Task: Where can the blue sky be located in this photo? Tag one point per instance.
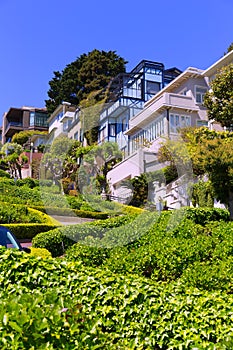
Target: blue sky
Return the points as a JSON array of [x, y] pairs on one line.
[[42, 36]]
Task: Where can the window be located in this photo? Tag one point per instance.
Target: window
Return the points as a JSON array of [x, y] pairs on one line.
[[102, 134], [202, 123], [112, 129], [66, 125], [179, 121], [200, 93], [124, 124], [147, 135], [76, 136], [151, 70], [38, 119], [152, 87], [32, 118], [184, 92], [124, 153]]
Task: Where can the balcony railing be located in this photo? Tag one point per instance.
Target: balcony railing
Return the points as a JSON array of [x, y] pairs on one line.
[[116, 108], [166, 100], [14, 124]]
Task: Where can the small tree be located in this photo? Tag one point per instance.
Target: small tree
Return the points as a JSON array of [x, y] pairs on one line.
[[53, 161], [219, 100], [216, 158], [14, 159], [98, 162]]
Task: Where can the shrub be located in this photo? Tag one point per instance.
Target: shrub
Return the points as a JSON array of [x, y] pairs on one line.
[[22, 214], [54, 241], [45, 183], [204, 215], [4, 174], [29, 182], [40, 252], [58, 240], [46, 303], [19, 195], [127, 209], [28, 231], [71, 212], [6, 183], [18, 213], [43, 218], [88, 253]]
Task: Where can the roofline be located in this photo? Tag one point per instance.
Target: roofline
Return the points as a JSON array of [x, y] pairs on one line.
[[189, 72], [26, 108], [223, 61]]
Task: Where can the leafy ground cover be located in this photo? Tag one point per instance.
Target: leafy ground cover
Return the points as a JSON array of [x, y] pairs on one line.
[[56, 304], [135, 281]]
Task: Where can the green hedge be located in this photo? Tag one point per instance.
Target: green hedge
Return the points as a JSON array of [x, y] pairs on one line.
[[203, 215], [59, 240], [169, 249], [16, 213], [28, 231], [71, 212], [54, 304]]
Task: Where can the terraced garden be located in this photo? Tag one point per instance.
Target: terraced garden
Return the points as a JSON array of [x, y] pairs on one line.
[[137, 280]]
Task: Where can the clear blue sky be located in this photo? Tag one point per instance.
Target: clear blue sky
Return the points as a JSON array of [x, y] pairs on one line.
[[42, 36]]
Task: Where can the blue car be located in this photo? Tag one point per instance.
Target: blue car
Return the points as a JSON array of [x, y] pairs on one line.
[[8, 240]]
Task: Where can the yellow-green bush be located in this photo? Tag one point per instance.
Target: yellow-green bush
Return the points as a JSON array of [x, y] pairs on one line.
[[44, 217], [40, 252], [127, 209]]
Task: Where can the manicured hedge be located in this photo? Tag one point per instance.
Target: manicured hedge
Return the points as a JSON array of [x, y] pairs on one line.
[[16, 213], [57, 241], [4, 174], [71, 212], [28, 231], [204, 215], [169, 249]]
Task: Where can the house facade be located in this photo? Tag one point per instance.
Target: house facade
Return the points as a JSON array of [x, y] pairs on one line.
[[60, 120], [25, 118], [177, 105], [128, 94]]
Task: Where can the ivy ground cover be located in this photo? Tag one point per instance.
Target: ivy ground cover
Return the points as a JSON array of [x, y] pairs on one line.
[[170, 288]]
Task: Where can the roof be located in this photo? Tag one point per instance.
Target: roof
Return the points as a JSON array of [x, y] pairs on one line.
[[190, 72], [223, 61]]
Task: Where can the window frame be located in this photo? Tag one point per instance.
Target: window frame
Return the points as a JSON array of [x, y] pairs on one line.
[[201, 94]]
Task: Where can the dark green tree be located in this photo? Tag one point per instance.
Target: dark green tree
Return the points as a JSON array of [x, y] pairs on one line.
[[89, 72], [229, 49]]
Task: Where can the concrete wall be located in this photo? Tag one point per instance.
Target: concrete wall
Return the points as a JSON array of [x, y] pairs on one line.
[[130, 167]]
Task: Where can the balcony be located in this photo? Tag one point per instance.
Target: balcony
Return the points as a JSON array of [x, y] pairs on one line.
[[116, 108], [67, 115], [164, 101], [11, 127]]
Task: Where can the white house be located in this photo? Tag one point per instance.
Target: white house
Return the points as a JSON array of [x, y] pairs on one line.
[[177, 105]]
